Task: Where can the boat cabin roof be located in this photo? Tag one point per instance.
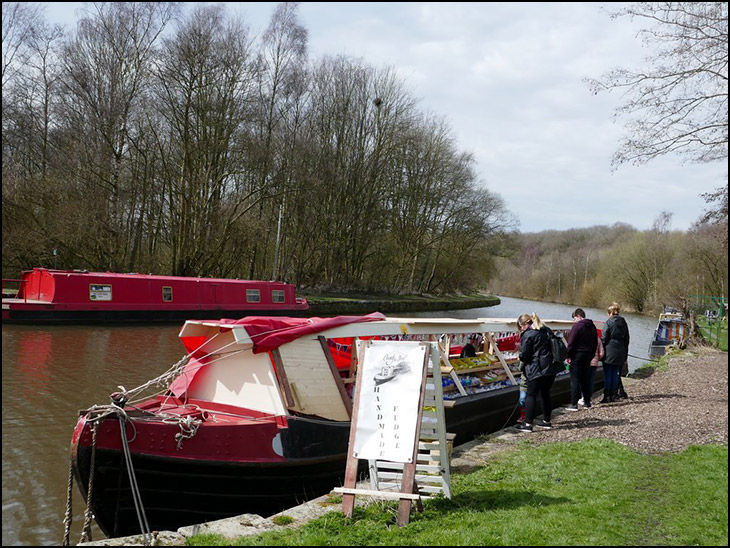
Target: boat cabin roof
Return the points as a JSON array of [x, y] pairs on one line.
[[265, 333]]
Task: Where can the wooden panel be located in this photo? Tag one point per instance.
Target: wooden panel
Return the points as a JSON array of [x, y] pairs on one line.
[[310, 377]]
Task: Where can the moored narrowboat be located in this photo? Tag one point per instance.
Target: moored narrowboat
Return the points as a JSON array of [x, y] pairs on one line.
[[78, 296], [256, 417], [671, 331]]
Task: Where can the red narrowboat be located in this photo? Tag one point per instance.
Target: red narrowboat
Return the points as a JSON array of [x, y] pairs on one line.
[[78, 296]]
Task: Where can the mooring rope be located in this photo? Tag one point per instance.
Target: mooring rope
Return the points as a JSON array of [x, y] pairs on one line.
[[86, 529], [144, 526], [68, 518], [640, 358]]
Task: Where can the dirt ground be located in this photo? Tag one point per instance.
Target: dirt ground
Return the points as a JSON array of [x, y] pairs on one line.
[[667, 411]]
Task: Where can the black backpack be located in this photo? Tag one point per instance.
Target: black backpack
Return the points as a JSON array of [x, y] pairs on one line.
[[557, 345]]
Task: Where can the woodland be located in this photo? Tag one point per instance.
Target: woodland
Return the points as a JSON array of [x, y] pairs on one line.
[[151, 140]]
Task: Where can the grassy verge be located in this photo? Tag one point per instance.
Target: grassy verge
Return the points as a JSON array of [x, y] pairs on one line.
[[324, 305], [595, 492], [714, 332]]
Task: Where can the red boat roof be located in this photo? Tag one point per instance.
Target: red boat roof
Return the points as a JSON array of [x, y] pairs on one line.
[[86, 273], [268, 333]]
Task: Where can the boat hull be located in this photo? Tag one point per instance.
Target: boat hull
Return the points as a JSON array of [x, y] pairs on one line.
[[671, 331], [49, 296], [178, 492], [245, 471]]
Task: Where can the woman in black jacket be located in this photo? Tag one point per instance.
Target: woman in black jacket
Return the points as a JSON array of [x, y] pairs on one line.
[[615, 339], [539, 370]]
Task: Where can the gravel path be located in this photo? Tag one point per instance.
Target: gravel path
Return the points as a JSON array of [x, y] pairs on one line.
[[667, 411]]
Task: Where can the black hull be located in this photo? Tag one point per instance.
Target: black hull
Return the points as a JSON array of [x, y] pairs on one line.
[[120, 317], [177, 492]]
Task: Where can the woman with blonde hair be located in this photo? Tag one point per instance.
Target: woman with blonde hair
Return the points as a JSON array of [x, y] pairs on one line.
[[539, 370], [615, 339]]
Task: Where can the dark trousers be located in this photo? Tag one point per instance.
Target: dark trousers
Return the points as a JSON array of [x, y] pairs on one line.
[[580, 377], [610, 375], [541, 386]]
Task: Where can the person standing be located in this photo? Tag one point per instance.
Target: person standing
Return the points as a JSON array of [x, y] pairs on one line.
[[540, 370], [582, 342], [615, 339], [598, 356], [469, 350]]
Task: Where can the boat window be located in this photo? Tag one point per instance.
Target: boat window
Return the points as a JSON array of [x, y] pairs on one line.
[[167, 293], [253, 295], [277, 295], [100, 292]]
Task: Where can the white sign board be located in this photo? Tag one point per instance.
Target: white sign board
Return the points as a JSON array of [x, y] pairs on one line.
[[387, 416], [100, 292]]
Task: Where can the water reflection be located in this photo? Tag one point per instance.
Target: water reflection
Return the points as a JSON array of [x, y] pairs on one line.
[[49, 374]]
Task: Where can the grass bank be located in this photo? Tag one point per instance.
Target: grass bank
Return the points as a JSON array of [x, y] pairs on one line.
[[328, 305], [714, 331], [594, 492]]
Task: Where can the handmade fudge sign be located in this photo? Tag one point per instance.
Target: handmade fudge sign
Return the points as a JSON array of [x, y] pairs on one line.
[[387, 415]]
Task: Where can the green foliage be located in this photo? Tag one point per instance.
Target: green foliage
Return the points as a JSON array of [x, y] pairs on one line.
[[714, 332], [590, 493], [283, 520], [642, 270]]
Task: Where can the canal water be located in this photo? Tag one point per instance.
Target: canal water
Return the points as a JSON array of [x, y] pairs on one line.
[[52, 372]]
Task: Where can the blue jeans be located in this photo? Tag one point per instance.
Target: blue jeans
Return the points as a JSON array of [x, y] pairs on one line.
[[610, 372]]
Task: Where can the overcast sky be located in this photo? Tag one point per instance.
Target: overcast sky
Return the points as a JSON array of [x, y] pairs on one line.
[[507, 78]]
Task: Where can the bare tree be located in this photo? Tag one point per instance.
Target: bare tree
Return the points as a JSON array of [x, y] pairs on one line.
[[678, 104], [283, 60], [716, 215], [19, 19], [106, 77], [204, 88]]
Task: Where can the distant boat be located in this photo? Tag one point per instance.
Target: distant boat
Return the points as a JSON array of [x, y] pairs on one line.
[[78, 296], [671, 330], [256, 417]]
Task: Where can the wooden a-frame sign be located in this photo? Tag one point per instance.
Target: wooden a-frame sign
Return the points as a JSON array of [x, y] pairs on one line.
[[409, 489]]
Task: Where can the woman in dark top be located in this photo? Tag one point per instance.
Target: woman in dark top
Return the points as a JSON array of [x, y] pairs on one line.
[[539, 370], [615, 339]]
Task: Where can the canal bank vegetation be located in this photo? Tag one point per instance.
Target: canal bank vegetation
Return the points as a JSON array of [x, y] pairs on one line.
[[642, 270], [329, 305], [589, 493]]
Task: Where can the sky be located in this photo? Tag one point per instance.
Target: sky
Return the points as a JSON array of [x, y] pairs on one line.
[[508, 79]]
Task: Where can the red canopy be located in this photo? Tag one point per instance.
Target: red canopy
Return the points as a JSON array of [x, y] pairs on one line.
[[267, 333], [270, 332]]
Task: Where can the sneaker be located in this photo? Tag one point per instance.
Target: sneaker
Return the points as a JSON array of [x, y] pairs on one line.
[[545, 425], [581, 402], [524, 427], [588, 405], [572, 408]]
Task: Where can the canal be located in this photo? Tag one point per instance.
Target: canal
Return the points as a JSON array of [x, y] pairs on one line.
[[52, 372]]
